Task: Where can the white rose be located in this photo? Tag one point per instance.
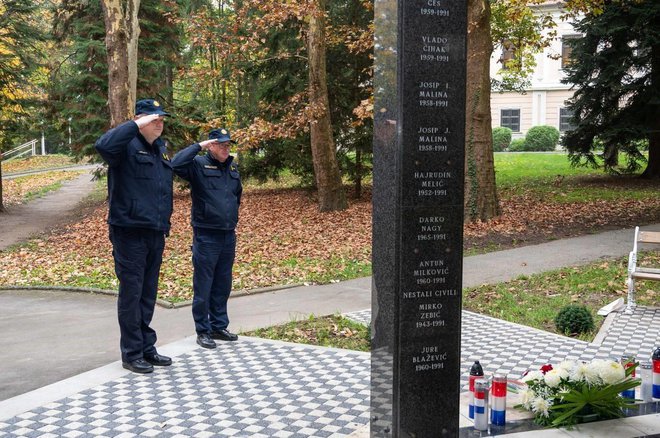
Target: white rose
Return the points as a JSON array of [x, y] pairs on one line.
[[541, 406], [612, 373], [554, 376], [532, 375], [526, 397]]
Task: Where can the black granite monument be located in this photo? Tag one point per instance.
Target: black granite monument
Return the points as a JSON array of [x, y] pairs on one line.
[[419, 124]]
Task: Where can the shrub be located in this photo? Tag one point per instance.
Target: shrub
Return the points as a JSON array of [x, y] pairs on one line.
[[574, 319], [542, 138], [517, 145], [501, 138]]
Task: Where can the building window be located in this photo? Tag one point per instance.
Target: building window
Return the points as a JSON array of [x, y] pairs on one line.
[[567, 49], [565, 116], [510, 118]]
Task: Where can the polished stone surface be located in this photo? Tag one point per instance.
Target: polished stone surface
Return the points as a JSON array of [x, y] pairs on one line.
[[419, 138]]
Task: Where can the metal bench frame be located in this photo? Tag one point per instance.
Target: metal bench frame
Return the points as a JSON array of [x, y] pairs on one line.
[[637, 272]]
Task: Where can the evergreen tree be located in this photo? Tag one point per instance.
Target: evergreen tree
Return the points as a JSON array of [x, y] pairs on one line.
[[20, 36], [79, 76], [79, 82], [616, 73], [350, 68]]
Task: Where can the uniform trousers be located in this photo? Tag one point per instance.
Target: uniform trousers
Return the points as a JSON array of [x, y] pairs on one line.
[[213, 258], [138, 254]]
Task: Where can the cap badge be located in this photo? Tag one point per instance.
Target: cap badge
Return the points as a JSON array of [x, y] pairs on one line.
[[156, 103], [223, 132]]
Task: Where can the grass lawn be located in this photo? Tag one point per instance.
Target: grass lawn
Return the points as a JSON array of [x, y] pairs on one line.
[[535, 300], [328, 331], [549, 175], [532, 301]]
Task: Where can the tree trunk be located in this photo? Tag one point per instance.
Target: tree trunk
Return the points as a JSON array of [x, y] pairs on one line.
[[652, 170], [326, 170], [611, 156], [121, 40], [480, 192], [358, 173]]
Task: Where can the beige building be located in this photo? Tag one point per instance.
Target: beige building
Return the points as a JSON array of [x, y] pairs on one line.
[[544, 103]]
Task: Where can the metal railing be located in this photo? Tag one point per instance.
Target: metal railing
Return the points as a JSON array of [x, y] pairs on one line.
[[26, 148]]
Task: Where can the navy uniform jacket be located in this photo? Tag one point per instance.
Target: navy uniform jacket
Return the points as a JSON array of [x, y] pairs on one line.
[[139, 179], [216, 188]]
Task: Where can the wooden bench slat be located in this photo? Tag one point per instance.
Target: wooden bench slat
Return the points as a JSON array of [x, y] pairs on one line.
[[646, 276], [648, 270], [649, 237]]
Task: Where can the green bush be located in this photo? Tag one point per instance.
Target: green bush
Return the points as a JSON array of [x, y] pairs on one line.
[[542, 138], [501, 138], [574, 320], [517, 145]]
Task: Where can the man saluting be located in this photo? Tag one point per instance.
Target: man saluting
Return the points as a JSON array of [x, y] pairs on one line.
[[215, 187], [140, 198]]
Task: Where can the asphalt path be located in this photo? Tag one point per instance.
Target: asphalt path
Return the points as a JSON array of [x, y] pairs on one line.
[[20, 222]]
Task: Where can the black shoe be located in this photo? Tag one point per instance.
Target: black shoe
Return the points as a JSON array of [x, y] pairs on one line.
[[138, 366], [224, 335], [158, 359], [204, 340]]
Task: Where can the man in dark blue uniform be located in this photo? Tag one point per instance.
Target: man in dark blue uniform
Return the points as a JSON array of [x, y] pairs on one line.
[[215, 187], [140, 197]]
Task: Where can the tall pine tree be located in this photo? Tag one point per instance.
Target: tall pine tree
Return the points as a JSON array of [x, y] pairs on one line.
[[79, 82], [616, 74]]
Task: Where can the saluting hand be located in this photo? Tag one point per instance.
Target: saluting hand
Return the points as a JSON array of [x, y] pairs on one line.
[[144, 120], [206, 143]]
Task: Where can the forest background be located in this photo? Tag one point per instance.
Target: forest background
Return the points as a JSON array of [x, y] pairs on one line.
[[292, 80]]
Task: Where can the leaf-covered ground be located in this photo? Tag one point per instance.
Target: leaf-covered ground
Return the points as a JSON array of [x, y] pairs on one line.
[[37, 162], [283, 239], [572, 207], [19, 190]]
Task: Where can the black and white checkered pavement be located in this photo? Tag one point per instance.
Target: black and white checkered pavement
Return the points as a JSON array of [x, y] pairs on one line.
[[250, 388], [257, 388], [502, 346]]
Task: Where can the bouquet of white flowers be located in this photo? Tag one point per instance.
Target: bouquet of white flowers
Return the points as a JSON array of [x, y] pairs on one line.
[[560, 395]]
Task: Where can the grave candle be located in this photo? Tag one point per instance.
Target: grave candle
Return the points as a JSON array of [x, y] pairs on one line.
[[656, 373], [646, 389], [498, 400], [476, 372], [481, 404], [628, 360]]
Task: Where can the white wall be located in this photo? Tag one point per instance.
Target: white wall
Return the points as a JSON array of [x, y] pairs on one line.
[[540, 104]]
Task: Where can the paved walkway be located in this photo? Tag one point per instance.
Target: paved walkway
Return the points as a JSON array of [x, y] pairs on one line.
[[20, 222], [51, 335]]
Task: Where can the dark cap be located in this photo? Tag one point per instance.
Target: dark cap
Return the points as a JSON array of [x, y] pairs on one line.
[[149, 106], [222, 135]]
